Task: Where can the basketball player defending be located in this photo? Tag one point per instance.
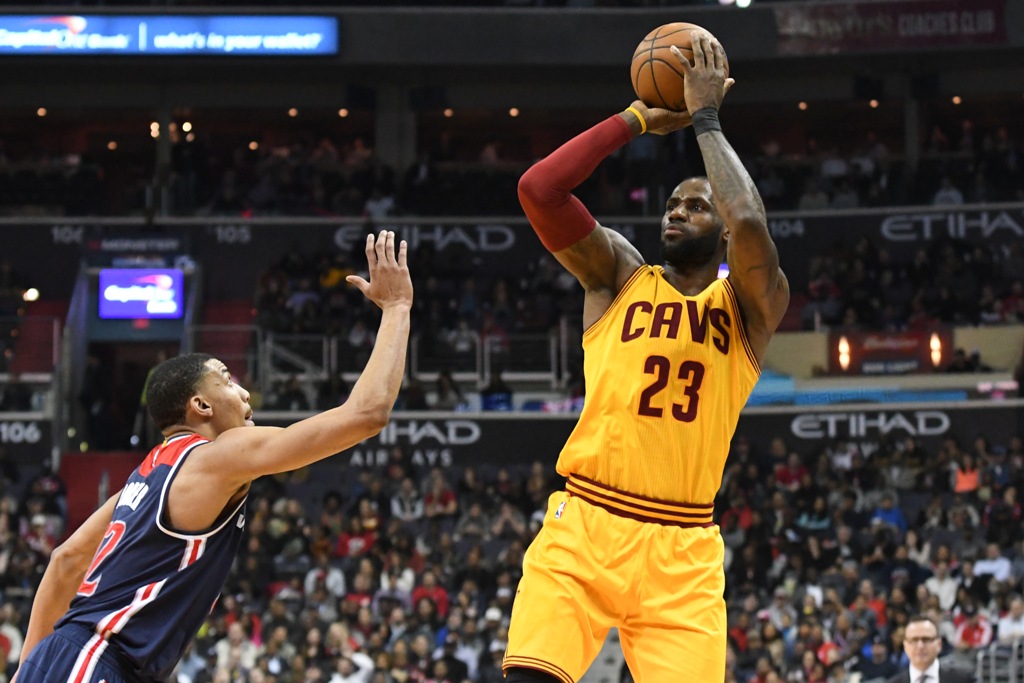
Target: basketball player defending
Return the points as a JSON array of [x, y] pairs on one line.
[[671, 354], [124, 595]]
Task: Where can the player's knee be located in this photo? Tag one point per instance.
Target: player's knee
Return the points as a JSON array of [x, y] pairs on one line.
[[519, 675]]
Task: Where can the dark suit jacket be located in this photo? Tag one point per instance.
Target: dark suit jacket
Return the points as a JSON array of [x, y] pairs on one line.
[[948, 674]]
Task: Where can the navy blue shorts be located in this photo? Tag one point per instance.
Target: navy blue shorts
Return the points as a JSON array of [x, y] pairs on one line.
[[72, 654]]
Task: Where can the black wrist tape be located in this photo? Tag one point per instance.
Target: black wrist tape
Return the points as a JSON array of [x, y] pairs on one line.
[[705, 120]]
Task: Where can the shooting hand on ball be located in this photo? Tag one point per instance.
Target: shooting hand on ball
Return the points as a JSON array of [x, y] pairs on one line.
[[706, 82]]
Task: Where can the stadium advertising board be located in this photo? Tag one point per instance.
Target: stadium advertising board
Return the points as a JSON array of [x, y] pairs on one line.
[[889, 353], [829, 28], [461, 245], [157, 35], [458, 440], [806, 429]]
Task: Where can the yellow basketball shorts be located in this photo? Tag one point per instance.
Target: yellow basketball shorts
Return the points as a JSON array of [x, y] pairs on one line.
[[591, 569]]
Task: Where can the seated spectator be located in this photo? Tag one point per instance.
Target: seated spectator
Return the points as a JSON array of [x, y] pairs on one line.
[[947, 194], [448, 395], [235, 649], [497, 395], [877, 665], [994, 564], [813, 197], [473, 524], [889, 513], [509, 523], [430, 589], [974, 631], [1010, 627], [942, 585], [407, 504]]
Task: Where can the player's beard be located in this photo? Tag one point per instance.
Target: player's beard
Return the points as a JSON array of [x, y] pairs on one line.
[[687, 252]]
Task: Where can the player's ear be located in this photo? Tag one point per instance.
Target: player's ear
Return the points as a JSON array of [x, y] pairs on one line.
[[200, 406]]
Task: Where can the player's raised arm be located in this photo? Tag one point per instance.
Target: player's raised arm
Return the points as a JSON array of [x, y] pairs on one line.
[[216, 472], [595, 255], [64, 574], [761, 286]]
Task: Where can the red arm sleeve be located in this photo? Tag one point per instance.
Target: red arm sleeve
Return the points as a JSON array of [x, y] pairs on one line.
[[545, 190]]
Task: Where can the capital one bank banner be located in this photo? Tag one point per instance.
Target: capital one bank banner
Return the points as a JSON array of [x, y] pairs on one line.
[[466, 246]]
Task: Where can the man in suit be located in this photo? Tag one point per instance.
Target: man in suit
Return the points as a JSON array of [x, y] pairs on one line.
[[922, 643]]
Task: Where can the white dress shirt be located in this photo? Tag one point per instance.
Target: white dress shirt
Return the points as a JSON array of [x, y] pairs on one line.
[[932, 672]]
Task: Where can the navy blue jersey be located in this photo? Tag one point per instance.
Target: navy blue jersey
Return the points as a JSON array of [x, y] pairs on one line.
[[150, 587]]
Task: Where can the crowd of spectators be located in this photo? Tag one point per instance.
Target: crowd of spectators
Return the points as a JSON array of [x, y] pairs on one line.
[[948, 282], [403, 573], [318, 173]]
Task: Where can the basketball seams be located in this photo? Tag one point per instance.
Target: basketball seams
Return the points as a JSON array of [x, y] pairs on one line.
[[658, 78]]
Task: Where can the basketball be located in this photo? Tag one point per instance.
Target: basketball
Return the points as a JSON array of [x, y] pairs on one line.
[[655, 72]]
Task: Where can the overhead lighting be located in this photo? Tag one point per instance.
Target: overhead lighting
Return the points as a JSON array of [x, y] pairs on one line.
[[41, 112], [513, 112], [448, 113], [293, 112], [802, 106], [112, 145], [187, 126], [343, 112], [956, 99], [873, 104], [30, 294], [254, 145]]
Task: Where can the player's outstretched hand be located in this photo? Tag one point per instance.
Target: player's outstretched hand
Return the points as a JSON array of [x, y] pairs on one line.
[[389, 284], [706, 82]]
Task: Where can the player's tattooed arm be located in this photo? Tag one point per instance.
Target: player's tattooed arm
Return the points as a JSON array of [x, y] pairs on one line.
[[760, 284]]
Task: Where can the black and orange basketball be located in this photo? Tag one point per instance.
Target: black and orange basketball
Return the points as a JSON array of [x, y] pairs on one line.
[[655, 72]]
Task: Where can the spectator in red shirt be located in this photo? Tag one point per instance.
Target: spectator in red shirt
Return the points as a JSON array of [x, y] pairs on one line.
[[974, 630], [430, 588], [440, 503], [355, 541], [790, 475]]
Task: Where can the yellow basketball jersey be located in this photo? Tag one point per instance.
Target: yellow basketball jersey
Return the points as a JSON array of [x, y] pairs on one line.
[[666, 378]]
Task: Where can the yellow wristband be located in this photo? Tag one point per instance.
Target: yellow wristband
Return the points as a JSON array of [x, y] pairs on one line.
[[636, 113]]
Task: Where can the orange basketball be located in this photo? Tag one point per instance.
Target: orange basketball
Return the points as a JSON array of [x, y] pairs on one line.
[[657, 77]]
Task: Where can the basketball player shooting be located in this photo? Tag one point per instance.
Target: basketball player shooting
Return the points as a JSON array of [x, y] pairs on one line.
[[671, 354], [127, 592]]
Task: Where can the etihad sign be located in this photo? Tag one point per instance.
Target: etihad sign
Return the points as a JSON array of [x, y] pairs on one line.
[[912, 227], [862, 424]]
